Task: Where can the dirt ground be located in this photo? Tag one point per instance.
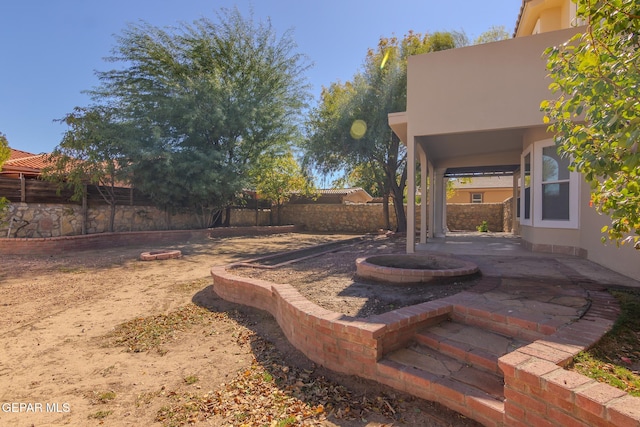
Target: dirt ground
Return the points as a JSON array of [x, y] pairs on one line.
[[221, 364]]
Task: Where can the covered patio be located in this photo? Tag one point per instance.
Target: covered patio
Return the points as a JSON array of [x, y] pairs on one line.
[[471, 111]]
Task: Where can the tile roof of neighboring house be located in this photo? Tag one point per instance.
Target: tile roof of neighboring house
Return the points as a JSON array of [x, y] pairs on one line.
[[335, 195], [23, 162], [17, 154], [515, 30], [485, 182]]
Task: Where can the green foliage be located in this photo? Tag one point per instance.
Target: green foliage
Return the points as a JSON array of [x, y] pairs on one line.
[[5, 152], [202, 103], [483, 228], [91, 152], [276, 178], [611, 360], [596, 116], [338, 141], [493, 34]]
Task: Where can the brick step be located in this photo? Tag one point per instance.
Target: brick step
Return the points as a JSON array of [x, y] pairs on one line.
[[469, 344], [433, 376], [443, 366]]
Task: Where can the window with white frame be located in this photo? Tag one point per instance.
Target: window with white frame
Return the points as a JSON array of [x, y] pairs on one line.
[[555, 185], [476, 197], [525, 188], [555, 189]]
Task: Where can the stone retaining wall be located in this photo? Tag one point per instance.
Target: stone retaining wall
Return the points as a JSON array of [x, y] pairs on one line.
[[467, 216], [37, 220], [357, 218], [55, 220]]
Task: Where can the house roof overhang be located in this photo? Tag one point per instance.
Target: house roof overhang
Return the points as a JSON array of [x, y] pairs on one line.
[[476, 171], [398, 123], [485, 151]]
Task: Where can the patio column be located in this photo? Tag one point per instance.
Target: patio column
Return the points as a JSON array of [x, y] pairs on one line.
[[439, 202], [445, 183], [411, 195], [432, 201], [424, 172], [514, 204]]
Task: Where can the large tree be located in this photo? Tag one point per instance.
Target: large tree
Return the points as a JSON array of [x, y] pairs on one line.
[[202, 103], [596, 116], [349, 129], [90, 153]]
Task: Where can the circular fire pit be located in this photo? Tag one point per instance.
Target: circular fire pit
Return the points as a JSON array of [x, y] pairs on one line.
[[161, 254], [412, 268]]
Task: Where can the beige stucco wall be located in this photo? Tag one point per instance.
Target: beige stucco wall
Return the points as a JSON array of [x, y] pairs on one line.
[[624, 259], [587, 238], [545, 15], [489, 195], [480, 87]]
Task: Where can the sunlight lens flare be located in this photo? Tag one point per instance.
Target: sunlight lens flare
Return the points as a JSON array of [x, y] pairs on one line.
[[385, 58], [358, 129]]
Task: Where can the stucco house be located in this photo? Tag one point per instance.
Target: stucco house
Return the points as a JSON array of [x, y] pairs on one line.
[[481, 189], [476, 110]]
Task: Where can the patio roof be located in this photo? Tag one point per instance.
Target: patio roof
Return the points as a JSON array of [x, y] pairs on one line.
[[467, 172]]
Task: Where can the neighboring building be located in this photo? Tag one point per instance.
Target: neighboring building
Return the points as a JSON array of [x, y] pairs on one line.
[[335, 196], [28, 165], [476, 110], [482, 189]]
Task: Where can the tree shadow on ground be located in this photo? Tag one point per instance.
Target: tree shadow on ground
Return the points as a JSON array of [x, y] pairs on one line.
[[347, 400]]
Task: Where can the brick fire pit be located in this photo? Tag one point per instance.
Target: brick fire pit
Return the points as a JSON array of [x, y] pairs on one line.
[[159, 255]]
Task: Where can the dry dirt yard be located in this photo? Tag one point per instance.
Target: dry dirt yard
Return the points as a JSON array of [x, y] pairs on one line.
[[102, 338]]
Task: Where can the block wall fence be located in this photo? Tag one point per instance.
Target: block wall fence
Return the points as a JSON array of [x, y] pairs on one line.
[[41, 220]]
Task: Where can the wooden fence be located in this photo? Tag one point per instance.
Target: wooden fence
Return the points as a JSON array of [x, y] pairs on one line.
[[36, 191]]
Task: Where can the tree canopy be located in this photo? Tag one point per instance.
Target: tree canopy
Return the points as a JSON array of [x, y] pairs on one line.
[[493, 34], [596, 116], [349, 130], [197, 105], [278, 177], [90, 153]]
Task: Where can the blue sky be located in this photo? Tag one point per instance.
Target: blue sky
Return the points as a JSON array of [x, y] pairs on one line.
[[50, 48]]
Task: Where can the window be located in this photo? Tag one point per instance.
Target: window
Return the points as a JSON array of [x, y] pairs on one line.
[[555, 188], [525, 189], [476, 197], [555, 185]]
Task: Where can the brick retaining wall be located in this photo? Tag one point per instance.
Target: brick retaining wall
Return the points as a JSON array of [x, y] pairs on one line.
[[57, 245], [538, 390]]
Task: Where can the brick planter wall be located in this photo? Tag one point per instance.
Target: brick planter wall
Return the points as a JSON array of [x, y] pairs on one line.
[[57, 245], [338, 342], [538, 390]]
